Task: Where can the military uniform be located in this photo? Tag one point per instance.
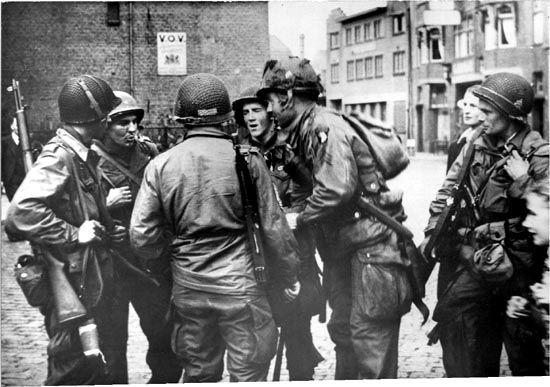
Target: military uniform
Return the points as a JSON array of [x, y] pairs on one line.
[[190, 212], [470, 311], [150, 302], [47, 211], [365, 319]]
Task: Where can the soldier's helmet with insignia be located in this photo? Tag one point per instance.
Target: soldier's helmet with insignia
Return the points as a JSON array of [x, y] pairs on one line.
[[292, 73], [509, 93], [86, 99], [202, 100], [249, 95], [128, 105]]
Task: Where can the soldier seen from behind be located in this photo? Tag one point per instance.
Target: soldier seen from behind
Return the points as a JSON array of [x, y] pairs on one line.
[[60, 208], [287, 175], [485, 249], [189, 211], [364, 271], [124, 157]]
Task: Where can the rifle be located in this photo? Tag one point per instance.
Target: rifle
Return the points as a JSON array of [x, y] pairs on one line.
[[67, 304], [250, 207], [459, 192]]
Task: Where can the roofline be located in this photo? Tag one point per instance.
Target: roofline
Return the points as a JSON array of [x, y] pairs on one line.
[[359, 15]]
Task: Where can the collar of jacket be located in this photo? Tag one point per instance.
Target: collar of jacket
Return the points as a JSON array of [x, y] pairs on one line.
[[297, 124], [80, 149], [207, 131], [484, 141]]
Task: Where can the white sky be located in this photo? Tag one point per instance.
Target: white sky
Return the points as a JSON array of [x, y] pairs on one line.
[[290, 18]]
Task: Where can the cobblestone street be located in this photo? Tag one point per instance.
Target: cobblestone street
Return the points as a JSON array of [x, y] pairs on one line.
[[24, 339]]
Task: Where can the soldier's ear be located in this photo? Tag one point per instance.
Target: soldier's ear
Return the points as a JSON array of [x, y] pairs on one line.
[[288, 102]]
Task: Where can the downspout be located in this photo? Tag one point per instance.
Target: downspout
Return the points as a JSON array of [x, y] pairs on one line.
[[131, 46]]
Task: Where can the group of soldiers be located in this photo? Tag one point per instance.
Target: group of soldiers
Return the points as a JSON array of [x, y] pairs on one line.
[[172, 234]]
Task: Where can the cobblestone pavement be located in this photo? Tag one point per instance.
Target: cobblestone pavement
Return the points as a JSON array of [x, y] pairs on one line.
[[24, 340]]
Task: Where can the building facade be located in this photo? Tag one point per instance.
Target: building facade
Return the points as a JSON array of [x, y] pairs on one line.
[[493, 36], [45, 43], [425, 68], [366, 63]]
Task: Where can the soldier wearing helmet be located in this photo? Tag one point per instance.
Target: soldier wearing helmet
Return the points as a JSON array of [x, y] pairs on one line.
[[507, 157], [189, 211], [60, 207], [289, 180], [342, 168], [122, 163]]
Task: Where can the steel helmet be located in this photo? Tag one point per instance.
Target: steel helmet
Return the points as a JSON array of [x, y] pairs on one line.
[[86, 99], [294, 74], [510, 93], [128, 104], [247, 96], [202, 99]]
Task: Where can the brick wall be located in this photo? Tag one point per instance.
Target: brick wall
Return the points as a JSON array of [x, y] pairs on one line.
[[43, 44]]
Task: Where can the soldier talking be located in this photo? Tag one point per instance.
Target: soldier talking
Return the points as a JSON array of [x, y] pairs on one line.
[[60, 207], [189, 210], [123, 161], [251, 113], [366, 278], [487, 254]]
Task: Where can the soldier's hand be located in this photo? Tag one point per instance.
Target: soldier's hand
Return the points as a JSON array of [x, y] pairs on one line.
[[517, 307], [118, 197], [90, 231], [516, 166], [119, 234], [292, 292]]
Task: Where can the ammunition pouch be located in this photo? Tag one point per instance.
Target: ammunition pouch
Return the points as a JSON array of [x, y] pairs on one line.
[[31, 275]]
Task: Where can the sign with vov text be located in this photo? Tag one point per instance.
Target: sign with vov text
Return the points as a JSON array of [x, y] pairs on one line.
[[171, 53]]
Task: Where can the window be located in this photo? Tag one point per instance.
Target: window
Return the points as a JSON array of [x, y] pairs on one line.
[[369, 67], [398, 24], [334, 40], [422, 47], [348, 37], [489, 28], [350, 72], [378, 66], [399, 63], [113, 14], [334, 73], [368, 31], [435, 45], [464, 38], [538, 23], [378, 27], [383, 111], [506, 26], [359, 69], [358, 35]]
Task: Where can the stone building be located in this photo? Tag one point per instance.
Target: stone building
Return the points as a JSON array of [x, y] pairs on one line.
[[45, 43]]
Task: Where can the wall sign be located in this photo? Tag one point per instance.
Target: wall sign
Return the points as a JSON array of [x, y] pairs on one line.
[[171, 53]]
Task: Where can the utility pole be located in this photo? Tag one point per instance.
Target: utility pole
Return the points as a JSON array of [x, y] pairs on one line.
[[409, 120]]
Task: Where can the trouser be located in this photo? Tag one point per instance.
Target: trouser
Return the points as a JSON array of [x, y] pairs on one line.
[[206, 324], [67, 364], [337, 275], [151, 304], [301, 354], [472, 338]]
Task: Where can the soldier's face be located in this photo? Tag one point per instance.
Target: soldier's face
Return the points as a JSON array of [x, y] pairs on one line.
[[123, 130], [471, 115], [278, 106], [495, 123], [256, 119], [537, 219]]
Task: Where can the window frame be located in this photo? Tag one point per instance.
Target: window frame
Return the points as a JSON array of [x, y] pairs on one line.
[[334, 39], [395, 18], [369, 74], [335, 73], [379, 58], [349, 37], [402, 70], [359, 65], [350, 75], [358, 34]]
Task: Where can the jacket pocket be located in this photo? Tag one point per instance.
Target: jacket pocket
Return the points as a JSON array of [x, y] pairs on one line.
[[383, 291], [264, 331]]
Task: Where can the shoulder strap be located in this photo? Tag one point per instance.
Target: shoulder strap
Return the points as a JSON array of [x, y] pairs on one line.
[[74, 172], [119, 166]]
